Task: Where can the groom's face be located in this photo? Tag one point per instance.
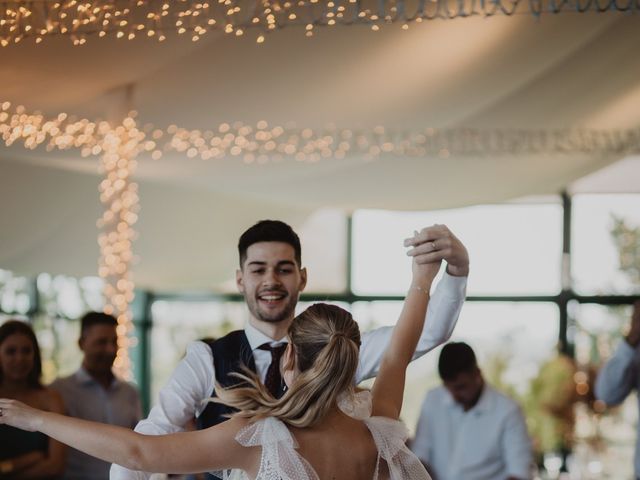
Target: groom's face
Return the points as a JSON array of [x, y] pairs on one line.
[[271, 281]]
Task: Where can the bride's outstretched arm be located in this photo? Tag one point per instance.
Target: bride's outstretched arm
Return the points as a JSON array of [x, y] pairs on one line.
[[388, 388], [205, 450]]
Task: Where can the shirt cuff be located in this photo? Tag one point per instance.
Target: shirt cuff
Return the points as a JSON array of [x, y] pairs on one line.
[[454, 286]]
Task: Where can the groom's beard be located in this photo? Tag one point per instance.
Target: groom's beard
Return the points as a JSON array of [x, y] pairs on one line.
[[283, 310]]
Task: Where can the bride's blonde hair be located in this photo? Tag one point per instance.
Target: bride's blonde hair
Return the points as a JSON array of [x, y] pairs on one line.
[[326, 342]]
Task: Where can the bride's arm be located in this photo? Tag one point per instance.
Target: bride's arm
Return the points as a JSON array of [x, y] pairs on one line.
[[388, 388], [205, 450]]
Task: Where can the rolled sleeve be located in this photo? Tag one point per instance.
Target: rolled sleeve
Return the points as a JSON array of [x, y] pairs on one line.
[[443, 312]]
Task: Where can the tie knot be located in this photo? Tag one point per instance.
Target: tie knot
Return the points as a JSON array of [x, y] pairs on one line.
[[276, 350]]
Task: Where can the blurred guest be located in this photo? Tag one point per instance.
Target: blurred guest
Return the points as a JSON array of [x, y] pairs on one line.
[[621, 374], [467, 430], [26, 454], [94, 393]]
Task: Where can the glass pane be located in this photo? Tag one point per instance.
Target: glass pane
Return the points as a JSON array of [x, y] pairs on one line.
[[68, 296], [514, 248], [604, 442], [4, 317], [61, 300], [512, 342], [324, 251], [176, 323], [606, 244], [58, 340], [15, 293]]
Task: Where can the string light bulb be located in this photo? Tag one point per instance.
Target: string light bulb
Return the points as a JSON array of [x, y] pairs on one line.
[[126, 18]]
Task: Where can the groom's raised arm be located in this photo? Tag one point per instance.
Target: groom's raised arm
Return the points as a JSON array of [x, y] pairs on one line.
[[431, 244]]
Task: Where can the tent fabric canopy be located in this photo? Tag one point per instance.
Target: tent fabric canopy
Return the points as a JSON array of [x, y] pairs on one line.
[[563, 71]]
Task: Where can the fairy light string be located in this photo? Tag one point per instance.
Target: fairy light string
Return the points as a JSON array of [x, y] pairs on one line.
[[120, 145], [80, 20]]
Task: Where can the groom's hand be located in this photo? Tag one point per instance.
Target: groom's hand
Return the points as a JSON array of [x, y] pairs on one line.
[[436, 243]]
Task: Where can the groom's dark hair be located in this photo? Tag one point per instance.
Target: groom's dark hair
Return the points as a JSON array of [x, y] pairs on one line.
[[269, 231]]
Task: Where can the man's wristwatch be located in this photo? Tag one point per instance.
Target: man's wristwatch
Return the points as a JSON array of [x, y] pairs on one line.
[[6, 466]]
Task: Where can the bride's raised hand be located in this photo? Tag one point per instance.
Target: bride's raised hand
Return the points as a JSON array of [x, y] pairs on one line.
[[423, 271], [17, 414], [437, 242]]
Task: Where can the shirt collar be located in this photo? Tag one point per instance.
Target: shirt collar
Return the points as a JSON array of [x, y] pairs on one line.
[[257, 338], [485, 402], [83, 377], [447, 400]]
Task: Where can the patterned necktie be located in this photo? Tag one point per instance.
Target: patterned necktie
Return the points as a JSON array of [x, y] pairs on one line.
[[273, 380]]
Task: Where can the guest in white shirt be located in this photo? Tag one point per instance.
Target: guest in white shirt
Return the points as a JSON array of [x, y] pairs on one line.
[[271, 278], [621, 374], [467, 430]]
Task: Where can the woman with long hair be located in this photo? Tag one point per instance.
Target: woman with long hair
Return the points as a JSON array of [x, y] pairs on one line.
[[26, 454], [322, 428]]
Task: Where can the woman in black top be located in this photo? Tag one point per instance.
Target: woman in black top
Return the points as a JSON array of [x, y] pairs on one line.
[[26, 455]]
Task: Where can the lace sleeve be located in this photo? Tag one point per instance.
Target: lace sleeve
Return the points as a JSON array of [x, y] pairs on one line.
[[279, 459], [390, 437], [357, 405]]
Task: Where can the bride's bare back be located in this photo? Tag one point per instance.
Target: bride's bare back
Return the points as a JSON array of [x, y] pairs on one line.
[[342, 448]]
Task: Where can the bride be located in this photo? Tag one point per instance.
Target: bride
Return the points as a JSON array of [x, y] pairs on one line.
[[322, 428]]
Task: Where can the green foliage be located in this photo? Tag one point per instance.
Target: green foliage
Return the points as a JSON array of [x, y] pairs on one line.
[[549, 405], [627, 239], [547, 402]]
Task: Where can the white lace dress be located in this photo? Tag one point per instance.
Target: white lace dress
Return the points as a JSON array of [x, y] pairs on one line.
[[281, 461]]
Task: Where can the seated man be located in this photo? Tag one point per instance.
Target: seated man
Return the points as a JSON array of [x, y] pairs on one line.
[[467, 430]]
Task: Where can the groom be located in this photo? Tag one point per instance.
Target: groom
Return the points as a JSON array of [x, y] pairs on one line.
[[271, 278]]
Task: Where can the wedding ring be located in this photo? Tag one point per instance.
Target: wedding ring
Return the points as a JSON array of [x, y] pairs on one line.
[[433, 246]]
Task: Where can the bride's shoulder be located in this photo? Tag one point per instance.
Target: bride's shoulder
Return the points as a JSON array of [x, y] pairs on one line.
[[387, 431], [357, 404], [262, 432], [390, 436]]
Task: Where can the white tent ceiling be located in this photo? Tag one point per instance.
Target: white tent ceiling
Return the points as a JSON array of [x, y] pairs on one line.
[[562, 71]]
